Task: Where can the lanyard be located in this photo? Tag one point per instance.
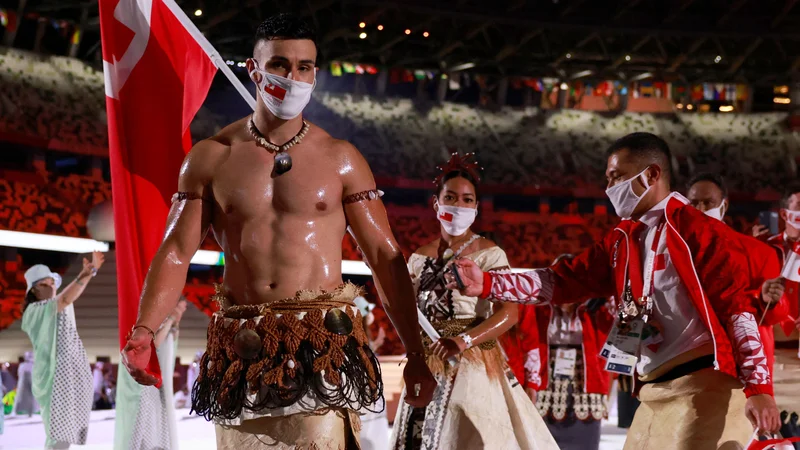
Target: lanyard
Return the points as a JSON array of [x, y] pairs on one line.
[[648, 286]]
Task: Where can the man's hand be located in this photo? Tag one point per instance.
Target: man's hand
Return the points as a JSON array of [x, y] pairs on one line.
[[772, 291], [471, 275], [419, 381], [760, 232], [763, 413], [447, 347], [532, 394], [136, 356]]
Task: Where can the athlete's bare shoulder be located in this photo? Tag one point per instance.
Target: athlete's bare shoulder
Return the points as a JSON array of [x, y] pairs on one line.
[[207, 155], [351, 165]]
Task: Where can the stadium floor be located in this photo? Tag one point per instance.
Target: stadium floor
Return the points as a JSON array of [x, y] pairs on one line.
[[194, 433]]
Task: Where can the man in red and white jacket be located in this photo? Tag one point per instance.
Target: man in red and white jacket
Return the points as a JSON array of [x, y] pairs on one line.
[[697, 290], [707, 192]]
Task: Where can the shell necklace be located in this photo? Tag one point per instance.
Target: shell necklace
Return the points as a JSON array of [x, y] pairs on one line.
[[283, 162]]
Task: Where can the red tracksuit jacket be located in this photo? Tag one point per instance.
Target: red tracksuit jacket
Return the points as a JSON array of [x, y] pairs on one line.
[[711, 262]]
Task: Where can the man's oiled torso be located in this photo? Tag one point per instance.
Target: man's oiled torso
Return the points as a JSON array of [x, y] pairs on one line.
[[280, 233]]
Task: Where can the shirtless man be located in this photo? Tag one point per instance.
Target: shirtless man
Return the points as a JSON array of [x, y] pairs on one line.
[[281, 232]]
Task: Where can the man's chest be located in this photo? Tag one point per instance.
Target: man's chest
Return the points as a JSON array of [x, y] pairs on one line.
[[247, 185]]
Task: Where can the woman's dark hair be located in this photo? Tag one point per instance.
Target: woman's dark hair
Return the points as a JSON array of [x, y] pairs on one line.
[[455, 174], [30, 297]]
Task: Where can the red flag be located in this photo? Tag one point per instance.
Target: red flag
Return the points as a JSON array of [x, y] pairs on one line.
[[157, 77]]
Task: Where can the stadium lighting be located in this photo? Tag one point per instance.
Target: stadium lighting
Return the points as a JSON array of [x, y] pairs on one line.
[[782, 100], [726, 108], [362, 36], [362, 25], [54, 243], [627, 57], [349, 267], [198, 12], [717, 59], [19, 239], [408, 31], [380, 27], [568, 55], [461, 67], [425, 34]]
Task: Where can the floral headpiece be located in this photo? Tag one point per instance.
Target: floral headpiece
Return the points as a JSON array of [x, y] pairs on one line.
[[457, 162]]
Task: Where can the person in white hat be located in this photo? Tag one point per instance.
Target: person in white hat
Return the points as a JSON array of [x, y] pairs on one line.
[[62, 379]]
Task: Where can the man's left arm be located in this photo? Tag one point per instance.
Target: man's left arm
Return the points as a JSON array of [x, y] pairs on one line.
[[369, 223], [722, 268]]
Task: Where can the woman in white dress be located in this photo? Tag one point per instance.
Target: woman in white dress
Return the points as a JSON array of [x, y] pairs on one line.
[[145, 414], [62, 378], [478, 402]]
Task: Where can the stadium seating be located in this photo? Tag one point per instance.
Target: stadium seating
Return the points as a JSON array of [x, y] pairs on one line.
[[61, 101]]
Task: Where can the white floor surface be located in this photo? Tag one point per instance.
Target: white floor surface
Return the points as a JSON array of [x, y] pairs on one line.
[[194, 433]]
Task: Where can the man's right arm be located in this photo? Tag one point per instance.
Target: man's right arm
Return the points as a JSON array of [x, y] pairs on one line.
[[570, 280], [187, 225]]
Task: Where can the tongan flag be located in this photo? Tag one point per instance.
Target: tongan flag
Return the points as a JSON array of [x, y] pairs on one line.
[[157, 76], [791, 271]]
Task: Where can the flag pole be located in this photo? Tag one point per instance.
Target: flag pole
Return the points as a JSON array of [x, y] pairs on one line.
[[212, 53]]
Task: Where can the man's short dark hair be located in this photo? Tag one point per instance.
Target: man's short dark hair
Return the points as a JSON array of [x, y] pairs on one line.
[[711, 178], [285, 26], [646, 147], [788, 192]]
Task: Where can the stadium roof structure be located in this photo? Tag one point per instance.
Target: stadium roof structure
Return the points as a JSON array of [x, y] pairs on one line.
[[755, 41]]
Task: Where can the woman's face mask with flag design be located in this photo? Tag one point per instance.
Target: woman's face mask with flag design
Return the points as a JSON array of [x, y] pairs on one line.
[[284, 97], [455, 220]]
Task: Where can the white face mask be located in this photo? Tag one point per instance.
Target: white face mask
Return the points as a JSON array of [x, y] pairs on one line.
[[455, 219], [284, 98], [793, 219], [623, 198], [716, 213]]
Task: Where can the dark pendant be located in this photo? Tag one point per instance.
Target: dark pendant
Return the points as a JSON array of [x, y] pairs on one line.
[[283, 163], [247, 344], [338, 322]]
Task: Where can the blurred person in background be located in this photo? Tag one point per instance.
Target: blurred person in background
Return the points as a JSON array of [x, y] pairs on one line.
[[787, 334], [62, 374], [566, 372], [98, 381], [478, 402], [24, 402], [374, 425], [146, 414], [191, 374]]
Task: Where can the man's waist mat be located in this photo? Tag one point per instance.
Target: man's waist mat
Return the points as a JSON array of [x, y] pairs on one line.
[[454, 327], [270, 356]]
